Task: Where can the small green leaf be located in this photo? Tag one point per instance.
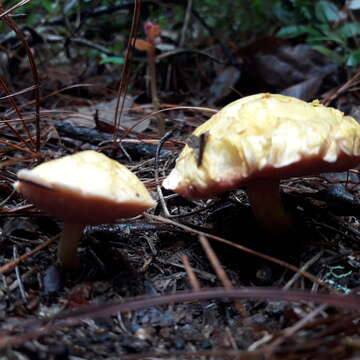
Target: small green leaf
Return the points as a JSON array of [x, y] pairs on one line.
[[113, 60], [349, 30], [329, 53], [325, 11], [321, 39], [282, 14], [117, 47], [50, 6], [353, 58], [328, 35], [292, 31]]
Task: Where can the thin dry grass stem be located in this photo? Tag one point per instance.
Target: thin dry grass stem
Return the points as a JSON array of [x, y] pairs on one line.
[[215, 263], [24, 210], [167, 107], [220, 272], [18, 276], [7, 175], [17, 110], [293, 268], [12, 25], [125, 73], [10, 265], [16, 6], [4, 201], [292, 330], [194, 281], [18, 147], [153, 141], [9, 97], [334, 94], [191, 51], [152, 114], [31, 118], [231, 338], [12, 102], [19, 136], [17, 93], [16, 160], [58, 92], [296, 276]]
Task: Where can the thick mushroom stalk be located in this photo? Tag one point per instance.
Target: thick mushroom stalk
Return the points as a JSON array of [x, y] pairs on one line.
[[258, 140], [266, 204], [68, 245]]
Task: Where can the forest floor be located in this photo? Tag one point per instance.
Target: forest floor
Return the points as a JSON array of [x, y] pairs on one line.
[[204, 282]]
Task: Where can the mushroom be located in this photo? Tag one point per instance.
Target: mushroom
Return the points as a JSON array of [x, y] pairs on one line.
[[257, 141], [84, 188]]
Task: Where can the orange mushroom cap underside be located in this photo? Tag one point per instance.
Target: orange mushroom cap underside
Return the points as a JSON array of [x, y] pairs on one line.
[[87, 187], [265, 136]]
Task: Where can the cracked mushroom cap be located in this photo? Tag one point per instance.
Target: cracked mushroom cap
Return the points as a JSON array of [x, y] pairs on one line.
[[265, 136], [87, 187]]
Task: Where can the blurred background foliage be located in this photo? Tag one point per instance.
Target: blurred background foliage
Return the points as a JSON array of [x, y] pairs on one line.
[[329, 26], [248, 45]]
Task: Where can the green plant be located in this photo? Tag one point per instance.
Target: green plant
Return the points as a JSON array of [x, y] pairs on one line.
[[118, 60], [324, 25], [246, 19]]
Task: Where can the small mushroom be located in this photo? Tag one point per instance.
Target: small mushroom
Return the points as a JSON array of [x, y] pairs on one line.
[[84, 188], [257, 141]]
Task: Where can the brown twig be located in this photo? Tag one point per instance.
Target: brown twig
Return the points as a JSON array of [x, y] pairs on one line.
[[215, 263], [245, 249], [290, 331], [194, 282], [11, 24], [331, 97], [17, 110], [296, 276], [125, 73], [152, 114], [16, 6], [220, 272], [18, 276], [18, 147], [10, 265]]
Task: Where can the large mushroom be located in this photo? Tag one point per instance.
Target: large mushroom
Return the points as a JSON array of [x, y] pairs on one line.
[[257, 141], [84, 188]]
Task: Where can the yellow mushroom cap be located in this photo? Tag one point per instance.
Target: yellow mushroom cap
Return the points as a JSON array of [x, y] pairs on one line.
[[87, 187], [265, 136]]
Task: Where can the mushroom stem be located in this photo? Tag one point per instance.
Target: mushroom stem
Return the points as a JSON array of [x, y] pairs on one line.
[[67, 248], [266, 204]]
